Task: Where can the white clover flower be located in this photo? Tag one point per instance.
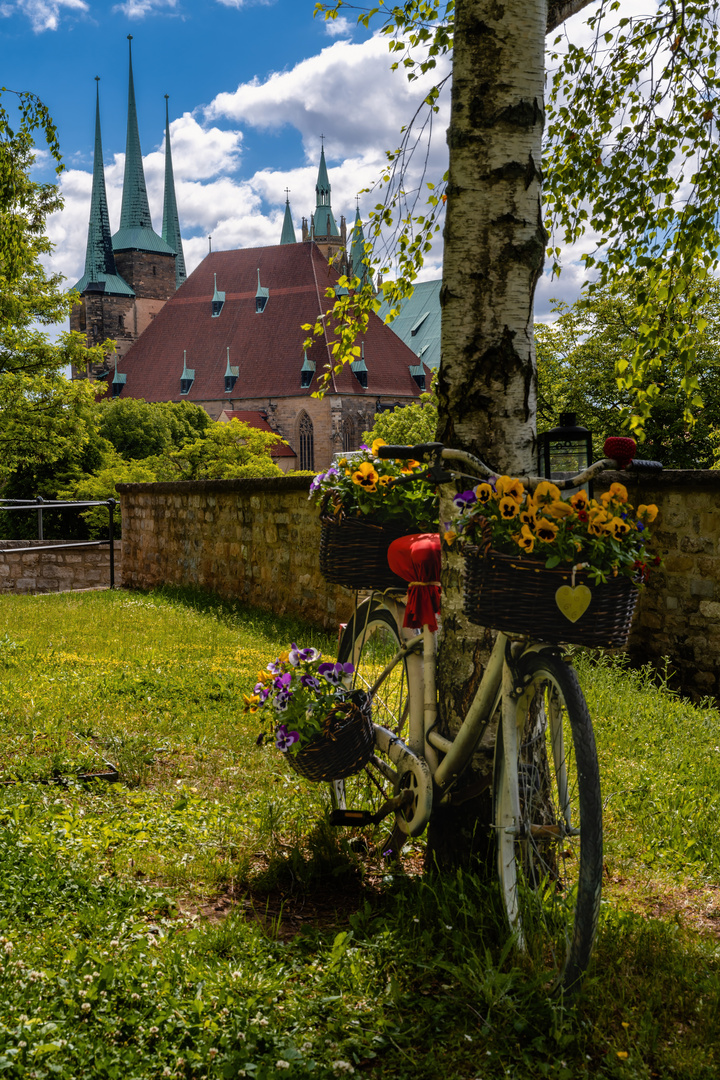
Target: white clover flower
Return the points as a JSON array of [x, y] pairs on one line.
[[282, 1064], [86, 1006], [8, 946], [22, 1045], [213, 1052], [343, 1066]]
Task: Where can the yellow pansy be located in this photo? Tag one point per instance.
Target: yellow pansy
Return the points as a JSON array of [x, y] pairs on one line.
[[484, 493], [376, 446], [559, 509], [509, 507], [509, 487], [546, 530], [647, 513], [546, 493], [525, 539], [366, 476]]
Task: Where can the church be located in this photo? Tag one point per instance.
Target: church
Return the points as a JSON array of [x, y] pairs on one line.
[[229, 336]]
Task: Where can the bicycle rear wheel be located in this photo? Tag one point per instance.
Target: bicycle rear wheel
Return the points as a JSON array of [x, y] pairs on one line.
[[550, 861], [370, 641]]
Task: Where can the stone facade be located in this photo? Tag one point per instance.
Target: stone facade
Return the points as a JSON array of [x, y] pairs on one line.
[[55, 571], [678, 614], [257, 540]]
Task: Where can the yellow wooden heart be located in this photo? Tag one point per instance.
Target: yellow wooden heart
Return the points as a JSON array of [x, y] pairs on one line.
[[573, 603]]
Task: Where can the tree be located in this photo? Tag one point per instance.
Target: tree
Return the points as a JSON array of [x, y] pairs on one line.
[[140, 429], [577, 357], [232, 451], [409, 424]]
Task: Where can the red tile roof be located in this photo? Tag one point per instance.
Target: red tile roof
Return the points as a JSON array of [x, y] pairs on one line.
[[266, 347], [256, 419]]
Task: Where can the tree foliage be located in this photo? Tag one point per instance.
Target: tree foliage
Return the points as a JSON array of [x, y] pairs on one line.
[[631, 158], [578, 354], [232, 451], [409, 424], [140, 429]]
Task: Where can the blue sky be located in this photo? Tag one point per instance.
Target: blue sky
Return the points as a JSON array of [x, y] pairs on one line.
[[252, 87]]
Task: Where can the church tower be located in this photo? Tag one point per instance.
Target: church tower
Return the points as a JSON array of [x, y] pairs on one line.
[[323, 228], [129, 276]]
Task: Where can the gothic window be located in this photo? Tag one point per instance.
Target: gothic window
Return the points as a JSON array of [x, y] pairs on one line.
[[348, 434], [305, 440]]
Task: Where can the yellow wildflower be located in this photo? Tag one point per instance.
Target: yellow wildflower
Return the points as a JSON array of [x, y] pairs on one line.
[[366, 476], [546, 530], [546, 493], [509, 487]]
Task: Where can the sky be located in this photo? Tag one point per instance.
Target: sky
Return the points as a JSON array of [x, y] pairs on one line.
[[253, 85]]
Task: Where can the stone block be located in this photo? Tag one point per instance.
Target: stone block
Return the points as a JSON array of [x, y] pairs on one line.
[[702, 587], [710, 609]]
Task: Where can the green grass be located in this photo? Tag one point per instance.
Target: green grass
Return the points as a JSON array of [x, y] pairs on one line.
[[199, 919]]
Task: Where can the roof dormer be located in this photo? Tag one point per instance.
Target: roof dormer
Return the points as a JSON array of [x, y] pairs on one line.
[[261, 296], [231, 374], [359, 368], [218, 299], [188, 376], [307, 371]]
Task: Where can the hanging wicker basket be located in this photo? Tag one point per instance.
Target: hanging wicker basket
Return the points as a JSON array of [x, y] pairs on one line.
[[345, 745], [518, 595], [353, 553]]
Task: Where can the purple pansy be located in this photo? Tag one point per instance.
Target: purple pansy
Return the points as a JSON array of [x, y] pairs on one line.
[[275, 667], [282, 700], [283, 682], [334, 673], [262, 691], [464, 500], [307, 656], [310, 682], [284, 738]]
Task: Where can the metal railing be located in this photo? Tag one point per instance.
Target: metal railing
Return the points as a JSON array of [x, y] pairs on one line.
[[39, 504]]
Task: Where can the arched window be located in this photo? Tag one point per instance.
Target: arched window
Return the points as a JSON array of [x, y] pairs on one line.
[[305, 433], [348, 434]]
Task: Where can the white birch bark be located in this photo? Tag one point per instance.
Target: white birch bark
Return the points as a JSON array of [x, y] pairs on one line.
[[494, 250]]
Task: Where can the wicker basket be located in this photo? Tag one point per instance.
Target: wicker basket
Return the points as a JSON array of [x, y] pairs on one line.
[[353, 552], [518, 595], [344, 747]]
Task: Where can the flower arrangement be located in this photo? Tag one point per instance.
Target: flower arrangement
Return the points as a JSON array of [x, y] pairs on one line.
[[608, 537], [298, 697], [363, 485]]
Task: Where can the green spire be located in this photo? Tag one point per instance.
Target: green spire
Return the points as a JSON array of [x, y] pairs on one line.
[[358, 255], [324, 222], [99, 259], [136, 231], [288, 229], [171, 221]]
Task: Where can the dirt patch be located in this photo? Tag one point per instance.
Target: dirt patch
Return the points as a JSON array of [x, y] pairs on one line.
[[694, 907], [326, 904]]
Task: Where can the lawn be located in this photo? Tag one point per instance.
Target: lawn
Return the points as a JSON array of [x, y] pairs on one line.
[[200, 919]]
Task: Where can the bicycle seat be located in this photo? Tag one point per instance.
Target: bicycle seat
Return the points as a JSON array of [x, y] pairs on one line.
[[416, 559]]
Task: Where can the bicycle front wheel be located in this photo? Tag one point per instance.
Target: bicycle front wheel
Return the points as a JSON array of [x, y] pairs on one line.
[[370, 641], [550, 861]]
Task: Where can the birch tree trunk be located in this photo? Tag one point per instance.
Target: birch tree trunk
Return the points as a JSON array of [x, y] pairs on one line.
[[494, 250]]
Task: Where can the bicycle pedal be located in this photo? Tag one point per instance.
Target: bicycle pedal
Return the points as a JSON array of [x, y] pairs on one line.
[[352, 817]]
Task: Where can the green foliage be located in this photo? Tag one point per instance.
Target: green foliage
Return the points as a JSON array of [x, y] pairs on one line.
[[135, 943], [578, 355], [140, 429], [233, 451], [29, 296], [633, 158], [409, 425]]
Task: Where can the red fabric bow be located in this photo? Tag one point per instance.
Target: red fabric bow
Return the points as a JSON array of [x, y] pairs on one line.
[[416, 558], [621, 448]]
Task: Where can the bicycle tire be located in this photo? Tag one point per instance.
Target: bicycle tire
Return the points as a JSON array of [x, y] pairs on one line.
[[551, 867], [370, 640]]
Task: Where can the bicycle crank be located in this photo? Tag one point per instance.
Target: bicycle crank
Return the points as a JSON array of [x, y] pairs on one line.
[[358, 818]]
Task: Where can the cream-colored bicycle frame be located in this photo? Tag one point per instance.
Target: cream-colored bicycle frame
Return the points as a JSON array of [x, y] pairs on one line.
[[433, 777]]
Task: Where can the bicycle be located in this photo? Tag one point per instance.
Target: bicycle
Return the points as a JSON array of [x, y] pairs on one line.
[[546, 782]]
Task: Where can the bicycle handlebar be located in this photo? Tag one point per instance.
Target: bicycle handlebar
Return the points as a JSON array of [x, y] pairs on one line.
[[440, 452]]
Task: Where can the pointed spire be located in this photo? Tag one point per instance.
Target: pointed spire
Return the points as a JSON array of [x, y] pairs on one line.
[[135, 213], [136, 231], [99, 259], [288, 229], [324, 221], [171, 221], [358, 255]]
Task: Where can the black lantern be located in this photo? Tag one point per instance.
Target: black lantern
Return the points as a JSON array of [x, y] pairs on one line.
[[564, 451]]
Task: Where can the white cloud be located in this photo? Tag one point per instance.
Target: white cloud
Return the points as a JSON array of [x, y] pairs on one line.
[[45, 14], [245, 3], [138, 9], [340, 27]]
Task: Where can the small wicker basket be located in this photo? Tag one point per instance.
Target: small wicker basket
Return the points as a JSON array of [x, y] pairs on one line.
[[344, 747], [518, 595], [353, 552]]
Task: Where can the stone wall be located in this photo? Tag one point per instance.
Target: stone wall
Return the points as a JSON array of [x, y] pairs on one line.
[[55, 571], [678, 614], [257, 540]]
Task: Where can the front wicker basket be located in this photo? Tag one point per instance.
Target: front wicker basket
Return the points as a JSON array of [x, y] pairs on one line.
[[344, 747], [517, 595], [353, 553]]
